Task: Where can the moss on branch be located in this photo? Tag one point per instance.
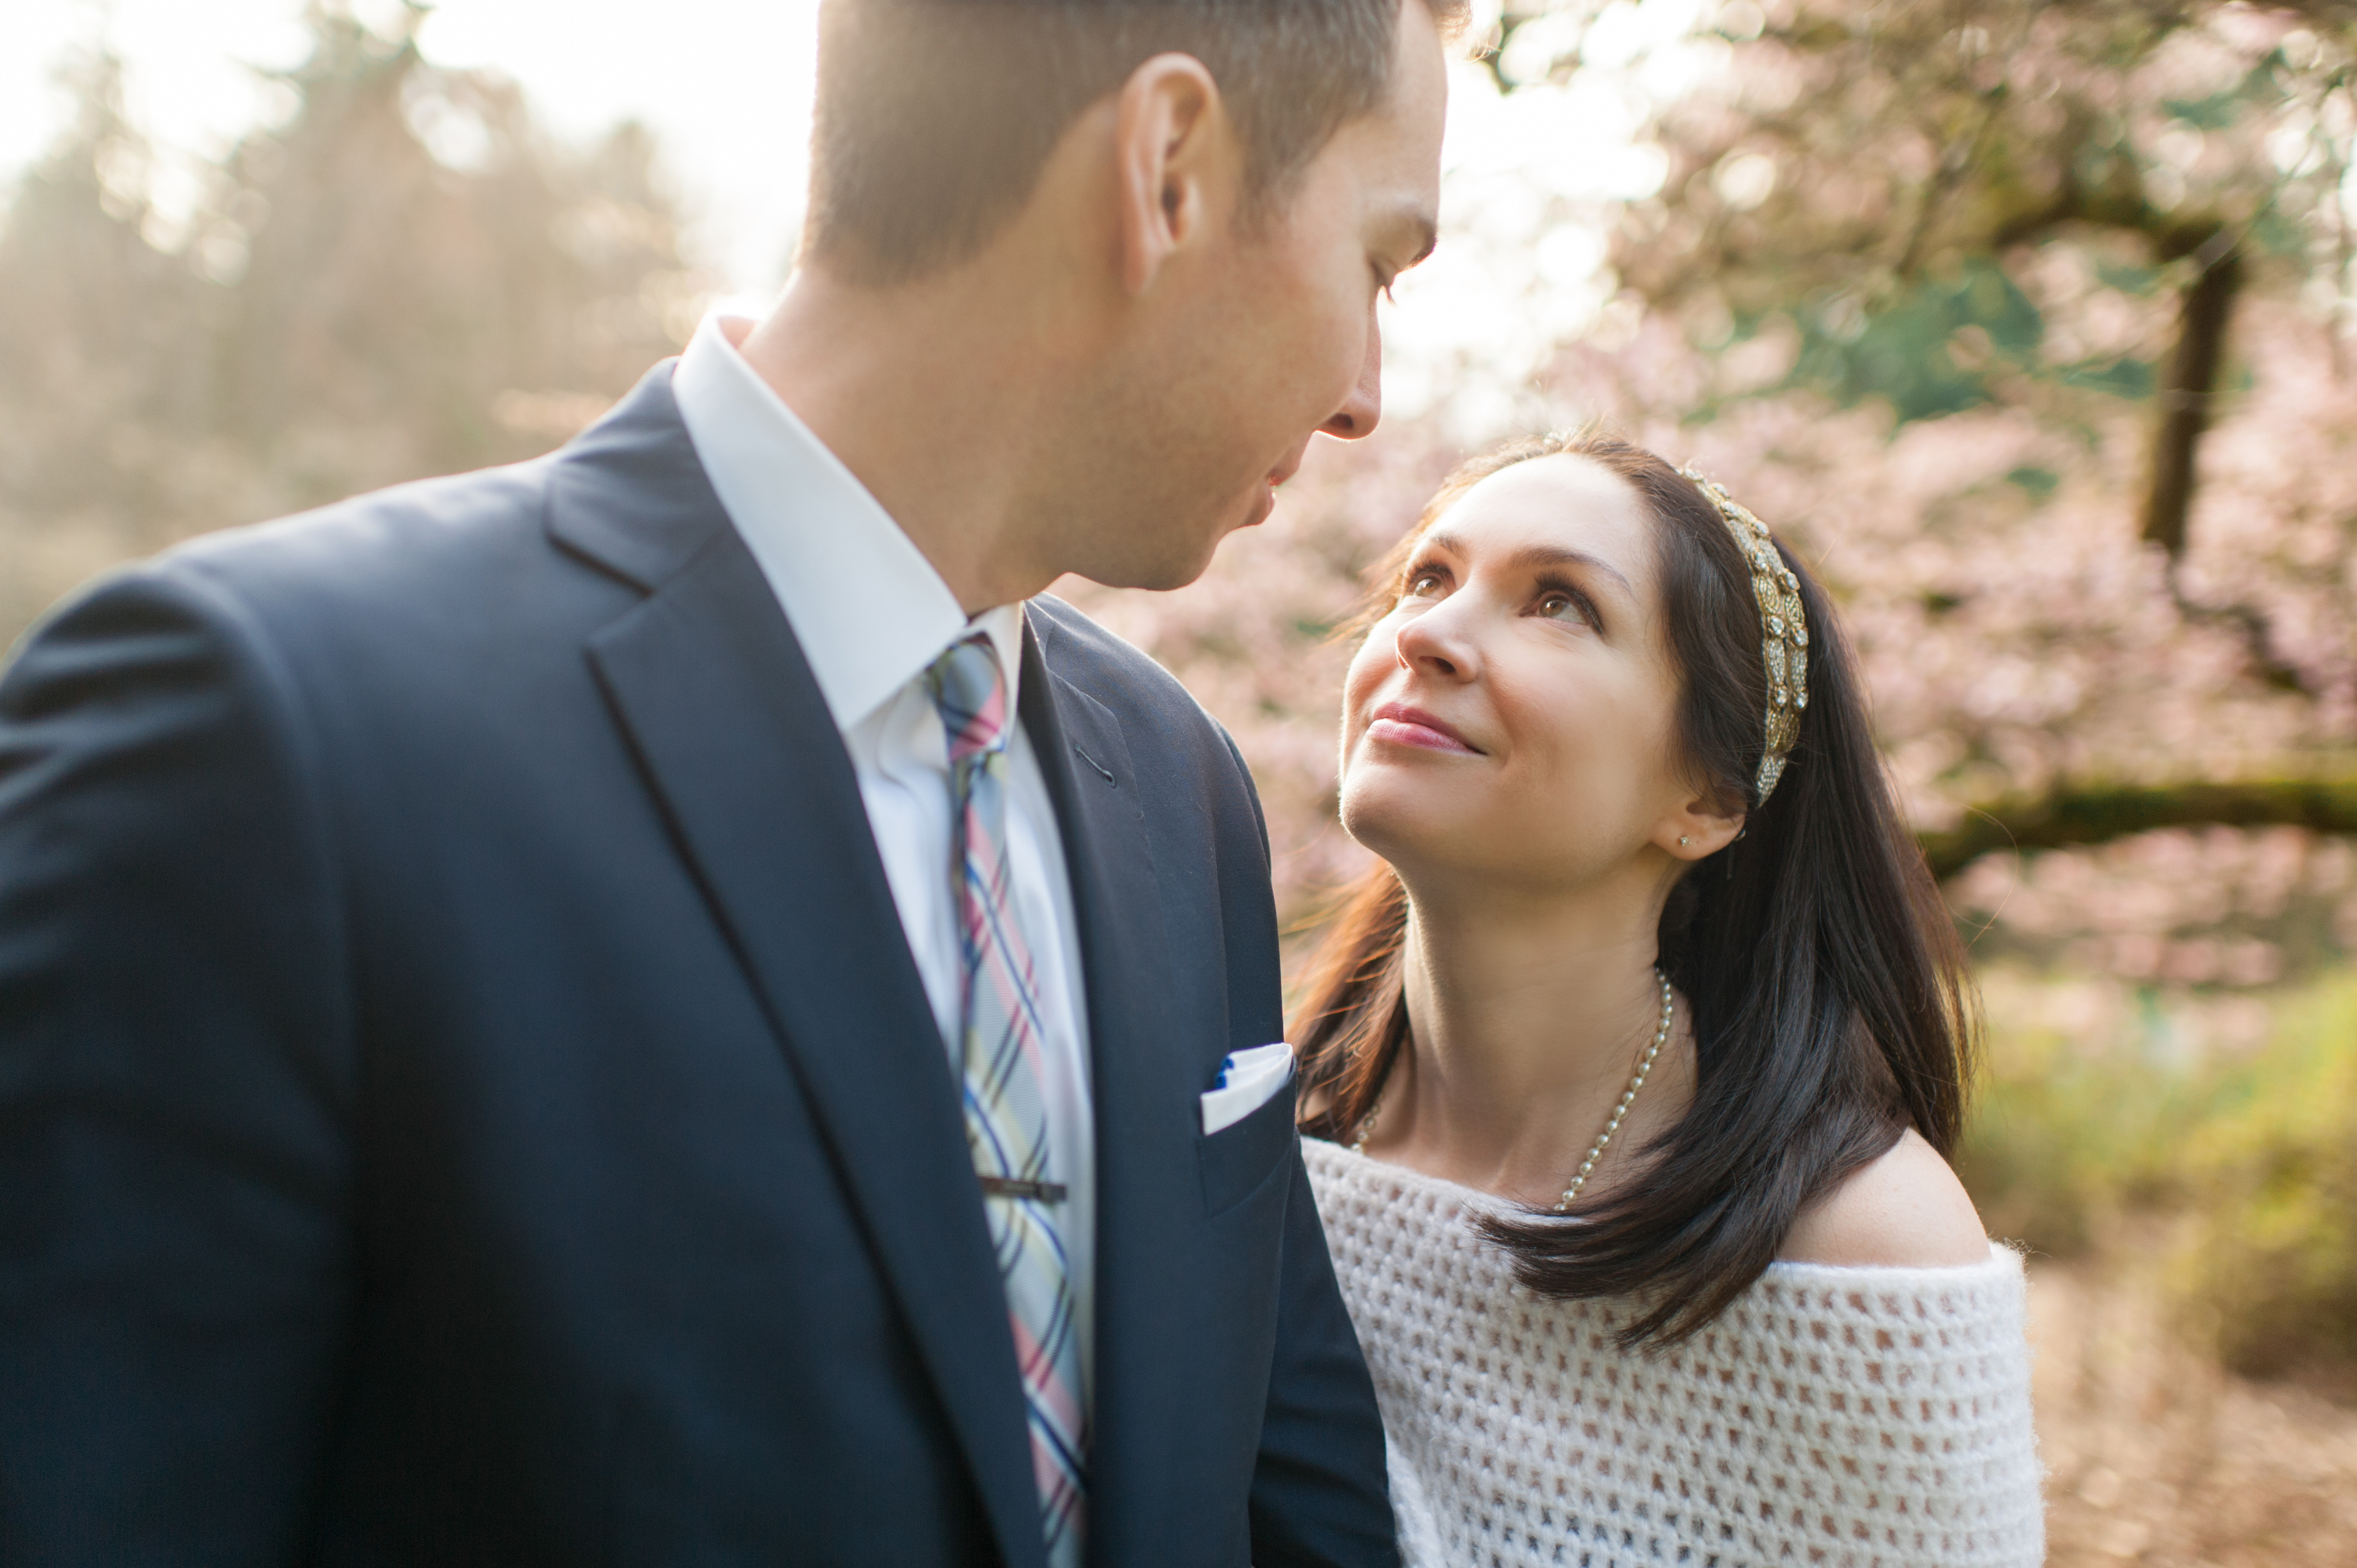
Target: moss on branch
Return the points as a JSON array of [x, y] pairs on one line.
[[2092, 814]]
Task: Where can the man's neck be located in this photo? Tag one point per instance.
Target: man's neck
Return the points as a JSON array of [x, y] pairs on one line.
[[939, 396]]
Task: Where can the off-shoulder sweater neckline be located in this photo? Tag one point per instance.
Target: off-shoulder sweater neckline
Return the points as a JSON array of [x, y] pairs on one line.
[[1455, 1197]]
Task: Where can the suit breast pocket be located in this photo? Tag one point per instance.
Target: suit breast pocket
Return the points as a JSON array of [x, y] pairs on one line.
[[1238, 1161]]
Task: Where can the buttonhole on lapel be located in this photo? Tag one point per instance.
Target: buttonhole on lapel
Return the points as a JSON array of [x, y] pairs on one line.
[[1102, 772]]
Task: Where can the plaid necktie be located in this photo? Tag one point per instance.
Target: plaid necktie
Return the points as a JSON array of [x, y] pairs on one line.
[[1005, 1109]]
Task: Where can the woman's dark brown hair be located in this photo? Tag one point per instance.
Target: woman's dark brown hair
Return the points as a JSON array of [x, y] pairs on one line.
[[1828, 999]]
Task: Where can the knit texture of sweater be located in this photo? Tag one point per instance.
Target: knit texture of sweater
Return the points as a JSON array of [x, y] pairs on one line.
[[1849, 1417]]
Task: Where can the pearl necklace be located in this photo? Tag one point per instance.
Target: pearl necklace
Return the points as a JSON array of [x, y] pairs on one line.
[[1596, 1150]]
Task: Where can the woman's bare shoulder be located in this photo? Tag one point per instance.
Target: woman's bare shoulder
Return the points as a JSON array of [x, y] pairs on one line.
[[1904, 1210]]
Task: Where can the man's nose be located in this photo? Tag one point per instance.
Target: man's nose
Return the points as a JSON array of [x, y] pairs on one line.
[[1357, 416]]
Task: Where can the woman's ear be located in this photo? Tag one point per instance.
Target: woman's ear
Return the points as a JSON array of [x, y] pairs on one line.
[[1170, 136], [1706, 823]]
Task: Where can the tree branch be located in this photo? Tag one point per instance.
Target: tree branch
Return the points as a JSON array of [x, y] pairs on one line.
[[2093, 813], [2185, 395], [2257, 633]]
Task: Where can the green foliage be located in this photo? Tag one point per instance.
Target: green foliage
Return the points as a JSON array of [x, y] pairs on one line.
[[2260, 91], [1904, 352], [2130, 379], [2037, 483], [2087, 1144], [2069, 1135], [2130, 277], [2270, 1264], [2215, 112], [1943, 345]]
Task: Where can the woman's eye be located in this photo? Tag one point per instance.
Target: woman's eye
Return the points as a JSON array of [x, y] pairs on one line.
[[1421, 586], [1562, 606]]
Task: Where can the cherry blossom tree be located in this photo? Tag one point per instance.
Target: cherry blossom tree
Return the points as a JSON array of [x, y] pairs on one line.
[[1936, 287]]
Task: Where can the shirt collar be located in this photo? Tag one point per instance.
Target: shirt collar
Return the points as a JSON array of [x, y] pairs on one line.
[[870, 612]]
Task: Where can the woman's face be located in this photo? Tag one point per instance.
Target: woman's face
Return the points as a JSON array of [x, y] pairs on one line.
[[1514, 717]]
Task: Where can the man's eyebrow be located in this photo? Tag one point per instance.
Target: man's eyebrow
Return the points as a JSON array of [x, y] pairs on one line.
[[1537, 557]]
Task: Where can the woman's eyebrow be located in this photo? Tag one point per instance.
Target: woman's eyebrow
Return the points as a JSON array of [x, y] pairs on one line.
[[1538, 557]]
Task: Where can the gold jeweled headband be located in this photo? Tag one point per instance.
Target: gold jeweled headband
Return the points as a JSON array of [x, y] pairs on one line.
[[1783, 630]]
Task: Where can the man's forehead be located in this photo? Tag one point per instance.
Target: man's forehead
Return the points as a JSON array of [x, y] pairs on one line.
[[1402, 137], [1418, 96]]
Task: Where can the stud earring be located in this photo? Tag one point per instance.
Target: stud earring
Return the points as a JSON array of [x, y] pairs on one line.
[[1683, 840]]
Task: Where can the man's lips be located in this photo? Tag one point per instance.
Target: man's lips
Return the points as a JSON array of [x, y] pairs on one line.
[[1402, 725], [1265, 502]]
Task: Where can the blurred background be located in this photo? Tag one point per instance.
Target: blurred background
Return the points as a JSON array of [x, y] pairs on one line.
[[2034, 325]]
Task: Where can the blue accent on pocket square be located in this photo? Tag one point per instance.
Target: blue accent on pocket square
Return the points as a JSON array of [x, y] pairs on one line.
[[1247, 1081]]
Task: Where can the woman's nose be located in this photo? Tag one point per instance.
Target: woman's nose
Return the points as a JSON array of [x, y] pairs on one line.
[[1440, 642]]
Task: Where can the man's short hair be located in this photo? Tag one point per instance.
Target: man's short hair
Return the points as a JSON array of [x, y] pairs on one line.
[[935, 117]]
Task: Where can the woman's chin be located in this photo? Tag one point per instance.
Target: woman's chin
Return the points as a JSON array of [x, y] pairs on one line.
[[1394, 823]]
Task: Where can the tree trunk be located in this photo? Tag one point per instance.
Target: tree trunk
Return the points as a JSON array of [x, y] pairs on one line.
[[2186, 394]]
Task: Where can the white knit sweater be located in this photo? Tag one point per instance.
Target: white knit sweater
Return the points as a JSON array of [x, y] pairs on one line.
[[1850, 1417]]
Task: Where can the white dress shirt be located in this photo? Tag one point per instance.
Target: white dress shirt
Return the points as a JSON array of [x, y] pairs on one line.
[[872, 615]]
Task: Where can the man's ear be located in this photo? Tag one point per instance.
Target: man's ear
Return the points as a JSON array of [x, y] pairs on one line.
[[1170, 139]]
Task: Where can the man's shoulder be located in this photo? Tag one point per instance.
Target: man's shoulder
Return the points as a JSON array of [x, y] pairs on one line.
[[389, 602], [625, 502], [367, 546], [434, 575], [1180, 751], [1109, 668]]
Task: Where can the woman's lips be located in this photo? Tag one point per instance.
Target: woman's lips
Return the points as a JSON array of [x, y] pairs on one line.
[[1402, 725]]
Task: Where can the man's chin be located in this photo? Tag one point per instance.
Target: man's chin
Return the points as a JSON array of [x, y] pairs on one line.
[[1162, 576]]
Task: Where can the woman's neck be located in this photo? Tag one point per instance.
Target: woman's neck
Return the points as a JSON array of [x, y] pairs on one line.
[[1527, 1020]]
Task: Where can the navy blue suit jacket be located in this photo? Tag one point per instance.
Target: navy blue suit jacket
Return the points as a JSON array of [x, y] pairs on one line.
[[466, 1097]]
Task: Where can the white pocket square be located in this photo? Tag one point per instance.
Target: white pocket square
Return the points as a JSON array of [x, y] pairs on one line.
[[1248, 1080]]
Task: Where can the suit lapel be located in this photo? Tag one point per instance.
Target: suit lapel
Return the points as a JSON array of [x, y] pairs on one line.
[[1140, 1083], [706, 680]]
